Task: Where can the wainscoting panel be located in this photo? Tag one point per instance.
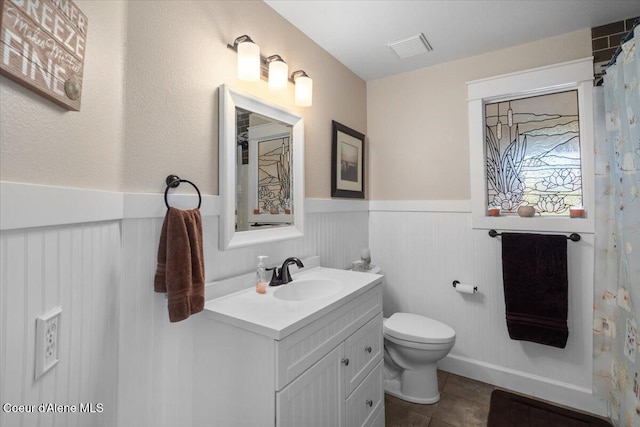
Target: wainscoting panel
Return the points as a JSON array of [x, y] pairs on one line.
[[118, 348], [422, 253], [76, 267], [155, 375]]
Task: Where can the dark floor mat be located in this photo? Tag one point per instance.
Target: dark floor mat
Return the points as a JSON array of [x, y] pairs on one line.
[[512, 410]]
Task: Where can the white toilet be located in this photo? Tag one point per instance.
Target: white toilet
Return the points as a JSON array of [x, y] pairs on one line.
[[412, 346]]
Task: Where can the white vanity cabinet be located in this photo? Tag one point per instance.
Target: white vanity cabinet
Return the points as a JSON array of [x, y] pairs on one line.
[[342, 388], [327, 373]]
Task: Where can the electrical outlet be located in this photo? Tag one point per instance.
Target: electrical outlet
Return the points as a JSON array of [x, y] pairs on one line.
[[47, 341]]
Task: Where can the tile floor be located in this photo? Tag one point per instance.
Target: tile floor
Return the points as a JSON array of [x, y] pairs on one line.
[[463, 403]]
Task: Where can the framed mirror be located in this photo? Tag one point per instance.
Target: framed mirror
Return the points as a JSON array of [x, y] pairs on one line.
[[261, 168]]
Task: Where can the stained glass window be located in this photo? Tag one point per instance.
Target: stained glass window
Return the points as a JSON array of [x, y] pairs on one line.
[[532, 153], [274, 174]]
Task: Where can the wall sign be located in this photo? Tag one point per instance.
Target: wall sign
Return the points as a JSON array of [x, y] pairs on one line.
[[42, 47]]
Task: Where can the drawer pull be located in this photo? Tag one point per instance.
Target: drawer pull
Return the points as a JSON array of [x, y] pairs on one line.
[[369, 403], [368, 349], [345, 362]]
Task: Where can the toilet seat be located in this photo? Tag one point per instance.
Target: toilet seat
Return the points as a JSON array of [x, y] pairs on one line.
[[418, 329]]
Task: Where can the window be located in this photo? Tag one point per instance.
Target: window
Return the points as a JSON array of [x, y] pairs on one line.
[[532, 150], [274, 174], [531, 143]]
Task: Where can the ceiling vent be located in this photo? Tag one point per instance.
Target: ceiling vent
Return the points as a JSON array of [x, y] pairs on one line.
[[411, 46]]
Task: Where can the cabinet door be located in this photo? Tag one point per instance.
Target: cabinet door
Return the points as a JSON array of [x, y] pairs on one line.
[[315, 398], [363, 349]]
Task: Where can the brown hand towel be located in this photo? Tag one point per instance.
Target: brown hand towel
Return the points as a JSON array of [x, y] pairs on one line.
[[534, 269], [180, 271]]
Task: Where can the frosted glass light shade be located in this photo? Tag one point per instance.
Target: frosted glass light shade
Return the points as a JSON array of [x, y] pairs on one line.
[[304, 91], [278, 75], [248, 61]]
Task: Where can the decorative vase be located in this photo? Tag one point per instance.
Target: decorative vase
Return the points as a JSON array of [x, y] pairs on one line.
[[576, 212], [526, 211]]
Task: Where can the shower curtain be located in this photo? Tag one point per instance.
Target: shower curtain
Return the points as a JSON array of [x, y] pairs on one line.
[[617, 263]]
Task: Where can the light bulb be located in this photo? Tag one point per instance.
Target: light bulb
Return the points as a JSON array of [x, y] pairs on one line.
[[304, 91], [248, 61], [278, 75]]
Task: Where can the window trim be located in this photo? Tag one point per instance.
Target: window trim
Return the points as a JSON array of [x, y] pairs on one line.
[[572, 75]]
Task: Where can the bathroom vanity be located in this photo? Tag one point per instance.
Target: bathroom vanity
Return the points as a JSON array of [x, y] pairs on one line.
[[308, 356]]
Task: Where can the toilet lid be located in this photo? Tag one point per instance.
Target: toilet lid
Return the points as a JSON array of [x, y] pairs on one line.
[[412, 327]]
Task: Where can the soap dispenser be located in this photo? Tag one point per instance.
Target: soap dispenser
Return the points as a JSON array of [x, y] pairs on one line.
[[261, 279]]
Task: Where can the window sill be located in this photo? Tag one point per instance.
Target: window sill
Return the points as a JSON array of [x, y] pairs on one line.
[[537, 223]]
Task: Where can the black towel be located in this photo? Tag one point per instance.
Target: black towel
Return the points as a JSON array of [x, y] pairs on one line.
[[534, 269]]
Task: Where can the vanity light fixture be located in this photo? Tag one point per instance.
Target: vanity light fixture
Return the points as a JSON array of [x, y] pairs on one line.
[[252, 67], [248, 58], [278, 72], [304, 88]]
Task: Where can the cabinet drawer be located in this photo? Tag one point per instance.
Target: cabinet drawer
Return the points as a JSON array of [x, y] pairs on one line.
[[363, 349], [300, 350], [365, 403]]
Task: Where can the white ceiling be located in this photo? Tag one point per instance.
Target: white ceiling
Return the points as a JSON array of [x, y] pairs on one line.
[[357, 32]]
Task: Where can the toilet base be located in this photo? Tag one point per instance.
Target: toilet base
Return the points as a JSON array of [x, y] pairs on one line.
[[415, 386]]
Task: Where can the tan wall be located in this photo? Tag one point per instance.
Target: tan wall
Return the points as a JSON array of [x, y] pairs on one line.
[[418, 121], [43, 143], [150, 101], [175, 61]]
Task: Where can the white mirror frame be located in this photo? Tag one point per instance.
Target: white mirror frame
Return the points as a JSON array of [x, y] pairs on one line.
[[229, 238]]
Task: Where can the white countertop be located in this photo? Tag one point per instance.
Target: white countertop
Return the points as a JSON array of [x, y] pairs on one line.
[[276, 318]]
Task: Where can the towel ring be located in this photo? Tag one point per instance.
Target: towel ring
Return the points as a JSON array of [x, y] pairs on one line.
[[172, 182]]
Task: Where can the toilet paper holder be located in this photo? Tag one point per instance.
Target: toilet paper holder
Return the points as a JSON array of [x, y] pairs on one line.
[[456, 283]]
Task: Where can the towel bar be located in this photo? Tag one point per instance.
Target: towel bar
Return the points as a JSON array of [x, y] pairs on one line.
[[172, 182], [574, 237]]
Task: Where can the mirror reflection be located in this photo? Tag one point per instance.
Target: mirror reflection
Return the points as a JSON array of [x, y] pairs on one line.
[[264, 196]]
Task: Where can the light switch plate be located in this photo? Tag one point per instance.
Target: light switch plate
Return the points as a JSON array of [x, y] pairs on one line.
[[47, 341]]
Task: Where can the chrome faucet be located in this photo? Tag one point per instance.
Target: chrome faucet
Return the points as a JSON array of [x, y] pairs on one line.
[[281, 276]]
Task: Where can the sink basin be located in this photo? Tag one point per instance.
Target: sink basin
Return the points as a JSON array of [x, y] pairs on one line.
[[302, 290]]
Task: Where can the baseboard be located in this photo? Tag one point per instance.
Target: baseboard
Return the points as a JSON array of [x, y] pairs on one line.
[[548, 389]]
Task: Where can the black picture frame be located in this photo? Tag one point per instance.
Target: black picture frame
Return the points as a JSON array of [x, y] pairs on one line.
[[347, 162]]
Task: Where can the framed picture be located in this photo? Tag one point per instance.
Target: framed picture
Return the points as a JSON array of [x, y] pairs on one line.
[[347, 162]]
